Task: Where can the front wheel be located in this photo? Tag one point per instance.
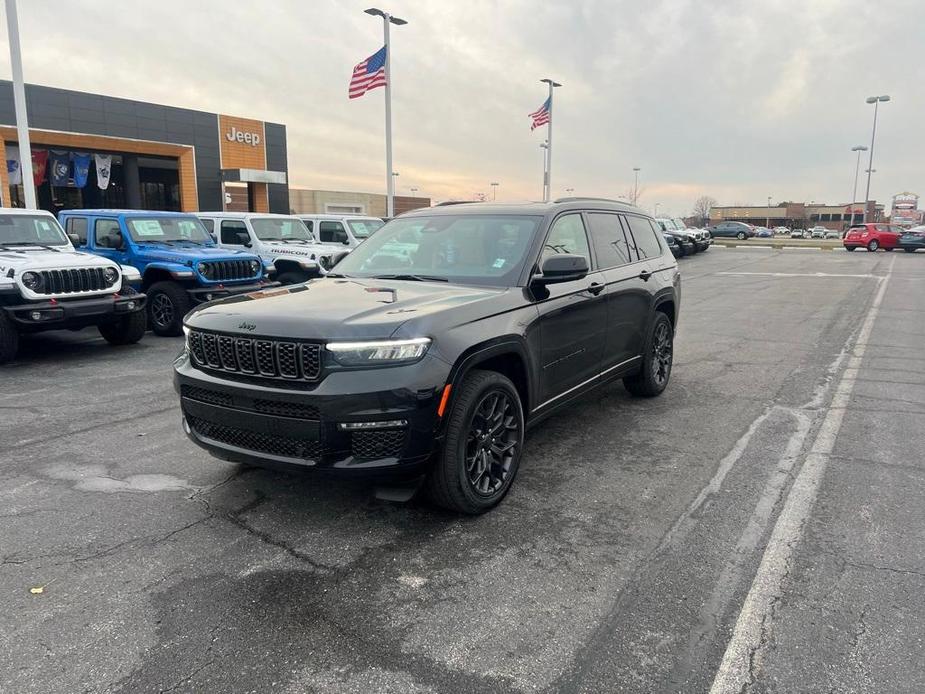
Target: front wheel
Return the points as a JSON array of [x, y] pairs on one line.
[[127, 330], [483, 445], [909, 250], [657, 358], [9, 339], [168, 302], [873, 246]]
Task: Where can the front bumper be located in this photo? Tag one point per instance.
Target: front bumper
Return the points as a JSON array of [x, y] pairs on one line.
[[219, 291], [56, 314], [276, 424]]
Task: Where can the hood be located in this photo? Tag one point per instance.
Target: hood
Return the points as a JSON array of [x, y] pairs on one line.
[[34, 258], [327, 309], [184, 255]]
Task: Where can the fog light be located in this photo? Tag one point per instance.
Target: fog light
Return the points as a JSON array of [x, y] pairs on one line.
[[36, 315], [385, 424], [130, 305], [208, 297]]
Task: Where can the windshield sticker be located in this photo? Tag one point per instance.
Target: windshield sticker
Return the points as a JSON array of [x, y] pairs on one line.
[[147, 227], [499, 263]]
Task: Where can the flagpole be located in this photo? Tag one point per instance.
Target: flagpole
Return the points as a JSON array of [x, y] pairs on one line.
[[389, 179], [19, 100], [547, 188]]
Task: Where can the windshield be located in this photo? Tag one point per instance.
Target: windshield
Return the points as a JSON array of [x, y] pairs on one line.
[[31, 230], [168, 230], [281, 229], [364, 228], [469, 249]]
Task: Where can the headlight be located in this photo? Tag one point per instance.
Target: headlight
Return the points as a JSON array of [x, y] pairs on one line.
[[204, 269], [255, 267], [378, 353], [110, 275], [325, 261], [32, 280]]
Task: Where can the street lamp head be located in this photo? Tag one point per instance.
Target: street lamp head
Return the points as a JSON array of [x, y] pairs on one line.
[[859, 148], [550, 82], [376, 12], [636, 168], [885, 97]]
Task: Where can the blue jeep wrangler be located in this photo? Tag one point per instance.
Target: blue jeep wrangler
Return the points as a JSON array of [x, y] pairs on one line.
[[180, 264]]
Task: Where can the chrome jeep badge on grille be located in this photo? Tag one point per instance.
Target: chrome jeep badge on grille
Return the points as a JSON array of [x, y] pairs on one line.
[[247, 326]]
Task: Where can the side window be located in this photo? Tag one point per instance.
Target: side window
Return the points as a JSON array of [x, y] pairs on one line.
[[567, 235], [332, 232], [78, 226], [648, 244], [106, 233], [234, 232], [309, 224], [608, 239], [209, 224]]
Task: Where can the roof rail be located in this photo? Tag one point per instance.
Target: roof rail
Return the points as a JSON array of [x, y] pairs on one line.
[[579, 199], [454, 202]]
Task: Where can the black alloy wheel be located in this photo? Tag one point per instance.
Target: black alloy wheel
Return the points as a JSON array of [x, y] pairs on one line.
[[491, 443], [662, 353], [168, 303], [483, 444], [655, 370], [162, 311]]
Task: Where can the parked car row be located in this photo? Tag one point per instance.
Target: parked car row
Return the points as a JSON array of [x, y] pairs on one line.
[[127, 270], [681, 239]]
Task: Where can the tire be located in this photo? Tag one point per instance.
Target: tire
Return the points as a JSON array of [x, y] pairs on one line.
[[657, 359], [9, 339], [741, 236], [454, 483], [851, 249], [292, 277], [873, 246], [909, 250], [888, 250], [168, 302], [127, 330]]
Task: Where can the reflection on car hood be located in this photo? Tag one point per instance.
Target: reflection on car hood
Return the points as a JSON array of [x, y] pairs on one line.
[[37, 258], [330, 308]]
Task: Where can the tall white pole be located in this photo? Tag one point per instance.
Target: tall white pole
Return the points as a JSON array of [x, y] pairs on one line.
[[19, 100], [390, 179], [548, 193], [875, 100]]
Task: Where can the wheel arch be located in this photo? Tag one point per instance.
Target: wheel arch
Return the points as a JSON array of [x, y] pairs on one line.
[[506, 355]]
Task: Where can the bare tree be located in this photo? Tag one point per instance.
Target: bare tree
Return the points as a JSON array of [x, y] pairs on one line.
[[702, 206]]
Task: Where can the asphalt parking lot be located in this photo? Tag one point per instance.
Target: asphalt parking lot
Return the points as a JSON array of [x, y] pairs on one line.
[[760, 527]]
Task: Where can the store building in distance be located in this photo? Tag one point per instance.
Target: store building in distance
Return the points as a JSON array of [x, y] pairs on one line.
[[310, 201], [90, 150]]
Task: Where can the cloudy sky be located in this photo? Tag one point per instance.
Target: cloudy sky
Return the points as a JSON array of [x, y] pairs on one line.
[[737, 99]]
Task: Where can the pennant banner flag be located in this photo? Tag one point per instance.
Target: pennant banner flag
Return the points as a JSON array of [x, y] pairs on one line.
[[103, 169], [39, 161], [81, 168], [60, 167], [13, 166]]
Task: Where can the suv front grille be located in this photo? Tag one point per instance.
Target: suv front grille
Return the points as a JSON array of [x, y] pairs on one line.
[[72, 281], [282, 446], [256, 356], [229, 270]]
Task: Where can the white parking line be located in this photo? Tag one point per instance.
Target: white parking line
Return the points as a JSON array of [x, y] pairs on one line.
[[800, 274], [753, 622]]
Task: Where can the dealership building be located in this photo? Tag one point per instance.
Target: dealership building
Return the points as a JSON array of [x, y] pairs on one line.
[[90, 150], [798, 214]]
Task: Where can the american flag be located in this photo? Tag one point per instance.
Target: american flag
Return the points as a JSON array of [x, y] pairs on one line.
[[369, 74], [541, 117]]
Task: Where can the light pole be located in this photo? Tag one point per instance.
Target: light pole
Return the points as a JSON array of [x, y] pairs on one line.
[[413, 191], [767, 221], [545, 147], [636, 171], [547, 176], [875, 100], [656, 208], [857, 168], [387, 19], [494, 190], [19, 101]]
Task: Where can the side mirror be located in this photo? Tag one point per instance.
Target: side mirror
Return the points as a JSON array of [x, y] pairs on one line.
[[562, 267], [244, 239], [345, 241], [74, 239], [116, 241]]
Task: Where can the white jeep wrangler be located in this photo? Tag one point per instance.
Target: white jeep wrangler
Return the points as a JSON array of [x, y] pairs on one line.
[[280, 239], [47, 285]]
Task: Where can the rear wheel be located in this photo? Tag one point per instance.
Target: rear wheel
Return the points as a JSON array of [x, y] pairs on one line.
[[851, 248], [168, 302], [657, 359], [483, 445], [873, 245], [9, 339], [909, 250], [741, 236]]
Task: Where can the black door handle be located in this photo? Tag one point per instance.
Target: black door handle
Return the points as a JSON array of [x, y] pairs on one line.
[[596, 288], [645, 275]]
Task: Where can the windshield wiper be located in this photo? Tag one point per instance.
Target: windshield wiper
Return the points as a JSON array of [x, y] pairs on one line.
[[337, 275], [415, 278], [36, 244]]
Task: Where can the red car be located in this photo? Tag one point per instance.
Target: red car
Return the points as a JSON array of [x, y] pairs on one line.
[[872, 236]]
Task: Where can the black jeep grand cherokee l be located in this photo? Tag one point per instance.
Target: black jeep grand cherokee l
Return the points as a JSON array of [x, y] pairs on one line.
[[429, 349]]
